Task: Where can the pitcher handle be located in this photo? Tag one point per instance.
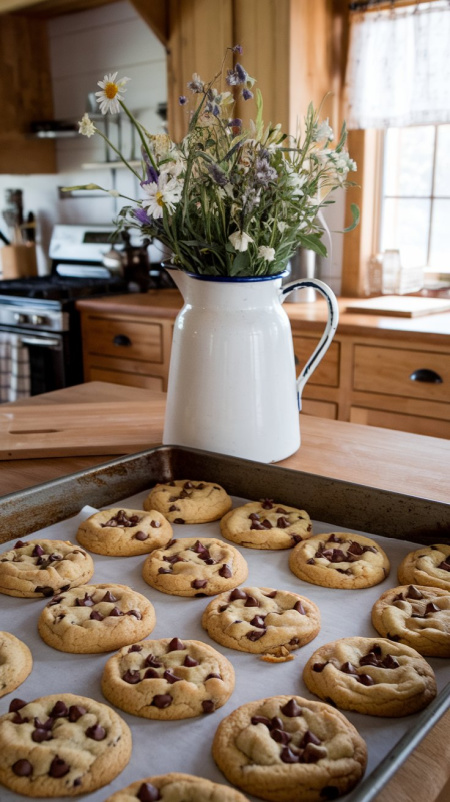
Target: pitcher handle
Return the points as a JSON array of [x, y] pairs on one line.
[[328, 334]]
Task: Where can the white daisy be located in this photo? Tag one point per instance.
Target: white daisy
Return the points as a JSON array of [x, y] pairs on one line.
[[164, 194], [108, 98], [87, 127], [240, 240], [266, 253]]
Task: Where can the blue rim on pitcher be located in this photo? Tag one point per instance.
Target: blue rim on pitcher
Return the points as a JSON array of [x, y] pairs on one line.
[[226, 279]]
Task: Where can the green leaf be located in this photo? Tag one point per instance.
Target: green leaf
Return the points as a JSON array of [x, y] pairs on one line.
[[355, 215], [240, 264], [312, 242]]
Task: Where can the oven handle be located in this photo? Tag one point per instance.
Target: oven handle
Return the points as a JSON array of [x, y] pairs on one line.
[[42, 341]]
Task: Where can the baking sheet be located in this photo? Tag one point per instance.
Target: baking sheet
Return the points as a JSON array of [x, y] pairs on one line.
[[185, 746]]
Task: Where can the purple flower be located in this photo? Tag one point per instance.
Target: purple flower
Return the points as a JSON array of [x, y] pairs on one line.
[[152, 175], [236, 123], [246, 94], [264, 172], [142, 216], [182, 100], [217, 175], [237, 49], [241, 73]]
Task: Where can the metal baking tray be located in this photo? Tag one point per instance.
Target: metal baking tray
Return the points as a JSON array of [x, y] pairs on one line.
[[337, 502]]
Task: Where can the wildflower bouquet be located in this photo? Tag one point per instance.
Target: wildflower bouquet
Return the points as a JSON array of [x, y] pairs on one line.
[[228, 201]]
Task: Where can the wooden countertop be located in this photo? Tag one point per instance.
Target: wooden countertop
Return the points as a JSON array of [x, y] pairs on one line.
[[432, 329], [398, 461]]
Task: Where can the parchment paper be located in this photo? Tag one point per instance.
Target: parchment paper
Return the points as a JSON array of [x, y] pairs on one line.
[[185, 746]]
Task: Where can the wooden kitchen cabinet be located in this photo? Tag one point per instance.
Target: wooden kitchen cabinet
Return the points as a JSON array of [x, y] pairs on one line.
[[124, 343]]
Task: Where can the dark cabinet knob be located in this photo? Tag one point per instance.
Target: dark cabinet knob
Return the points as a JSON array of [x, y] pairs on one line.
[[427, 376], [122, 339]]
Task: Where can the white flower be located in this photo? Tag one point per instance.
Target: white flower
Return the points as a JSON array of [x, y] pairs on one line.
[[164, 194], [266, 253], [114, 193], [240, 240], [87, 127], [295, 180], [108, 98], [282, 226], [323, 131]]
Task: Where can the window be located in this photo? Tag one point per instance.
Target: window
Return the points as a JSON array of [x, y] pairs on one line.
[[415, 203]]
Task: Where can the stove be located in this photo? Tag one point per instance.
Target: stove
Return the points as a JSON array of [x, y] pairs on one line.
[[38, 314]]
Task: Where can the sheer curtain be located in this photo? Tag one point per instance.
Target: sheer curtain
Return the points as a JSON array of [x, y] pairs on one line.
[[398, 69]]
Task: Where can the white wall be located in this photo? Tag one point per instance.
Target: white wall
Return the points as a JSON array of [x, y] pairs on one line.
[[83, 48]]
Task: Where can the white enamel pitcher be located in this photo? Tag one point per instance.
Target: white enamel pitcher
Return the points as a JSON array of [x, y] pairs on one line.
[[232, 379]]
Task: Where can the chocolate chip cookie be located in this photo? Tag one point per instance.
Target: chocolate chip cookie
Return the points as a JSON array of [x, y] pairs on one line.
[[261, 620], [177, 788], [124, 533], [371, 675], [36, 568], [187, 502], [61, 745], [195, 567], [429, 566], [168, 679], [340, 560], [266, 525], [96, 618], [16, 662], [416, 615], [285, 748]]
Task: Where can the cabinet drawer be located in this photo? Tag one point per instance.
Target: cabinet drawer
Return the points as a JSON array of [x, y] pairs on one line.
[[128, 379], [327, 372], [128, 339], [320, 409], [397, 371], [406, 423]]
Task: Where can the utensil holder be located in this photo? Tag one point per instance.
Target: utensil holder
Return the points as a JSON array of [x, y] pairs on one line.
[[18, 261]]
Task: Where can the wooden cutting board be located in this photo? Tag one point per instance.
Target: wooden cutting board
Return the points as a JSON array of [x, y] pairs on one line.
[[62, 430], [400, 305]]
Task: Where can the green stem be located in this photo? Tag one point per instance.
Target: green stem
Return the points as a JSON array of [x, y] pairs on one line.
[[127, 164], [141, 135]]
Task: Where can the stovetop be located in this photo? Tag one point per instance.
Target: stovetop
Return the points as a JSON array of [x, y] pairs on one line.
[[58, 288]]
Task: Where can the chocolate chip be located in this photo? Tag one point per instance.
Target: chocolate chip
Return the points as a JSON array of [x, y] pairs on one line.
[[109, 597], [171, 542], [253, 516], [334, 538], [319, 667], [162, 700], [135, 648], [39, 735], [309, 738], [313, 753], [58, 767], [116, 613], [255, 634], [288, 756], [96, 732], [17, 719], [179, 521], [44, 725], [394, 638], [16, 704], [199, 583], [348, 668], [148, 793], [164, 571], [299, 607], [355, 548], [155, 524], [19, 545], [151, 660], [390, 662], [151, 673], [291, 709], [175, 645], [55, 600], [223, 607], [190, 662], [280, 736], [59, 710], [431, 608], [251, 601], [271, 595], [365, 679], [258, 621], [173, 508], [369, 659], [261, 720], [96, 616], [293, 641], [22, 768], [444, 565], [199, 548], [311, 561], [282, 522], [131, 676], [170, 677], [225, 571], [237, 593], [267, 503], [213, 676], [329, 792], [38, 551], [296, 538], [76, 711], [141, 535], [208, 706], [46, 590], [86, 601]]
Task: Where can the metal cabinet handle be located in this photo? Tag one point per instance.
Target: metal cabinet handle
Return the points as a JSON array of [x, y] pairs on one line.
[[426, 375], [122, 339]]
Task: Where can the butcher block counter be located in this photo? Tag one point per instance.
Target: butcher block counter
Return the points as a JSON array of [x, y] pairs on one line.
[[396, 461], [380, 370]]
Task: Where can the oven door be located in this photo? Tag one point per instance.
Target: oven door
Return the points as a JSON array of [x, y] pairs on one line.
[[48, 358]]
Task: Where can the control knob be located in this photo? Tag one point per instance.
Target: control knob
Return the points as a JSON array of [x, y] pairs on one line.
[[19, 317], [38, 320]]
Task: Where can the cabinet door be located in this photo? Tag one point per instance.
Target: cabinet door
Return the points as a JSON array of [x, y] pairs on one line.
[[125, 339]]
